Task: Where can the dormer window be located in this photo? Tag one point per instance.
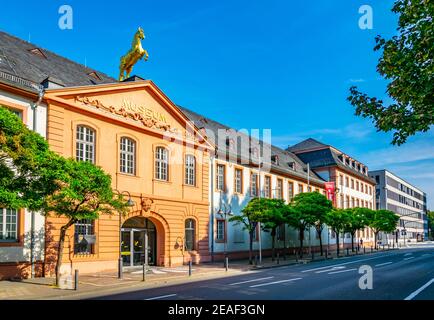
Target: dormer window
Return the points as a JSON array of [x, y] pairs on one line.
[[38, 52], [94, 75], [254, 152], [275, 159], [291, 165], [230, 143], [341, 158]]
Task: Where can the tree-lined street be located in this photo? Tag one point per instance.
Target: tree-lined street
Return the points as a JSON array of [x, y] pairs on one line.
[[397, 275]]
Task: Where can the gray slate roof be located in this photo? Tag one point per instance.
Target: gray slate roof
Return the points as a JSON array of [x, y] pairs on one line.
[[326, 156], [242, 153], [17, 59]]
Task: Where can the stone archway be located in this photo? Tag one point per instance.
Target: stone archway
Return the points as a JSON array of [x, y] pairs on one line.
[[156, 225]]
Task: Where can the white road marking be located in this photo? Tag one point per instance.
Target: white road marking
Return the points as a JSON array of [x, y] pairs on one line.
[[408, 258], [426, 254], [275, 282], [334, 272], [259, 279], [408, 254], [383, 264], [332, 269], [161, 297], [414, 294], [342, 264]]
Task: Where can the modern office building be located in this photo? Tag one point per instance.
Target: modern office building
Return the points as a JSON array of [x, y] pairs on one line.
[[409, 202]]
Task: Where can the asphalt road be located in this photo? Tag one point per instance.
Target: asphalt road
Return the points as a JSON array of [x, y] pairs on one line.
[[396, 275]]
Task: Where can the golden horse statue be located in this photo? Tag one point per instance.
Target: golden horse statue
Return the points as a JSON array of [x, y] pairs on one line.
[[135, 54]]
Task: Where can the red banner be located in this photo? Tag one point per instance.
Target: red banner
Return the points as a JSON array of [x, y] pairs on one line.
[[330, 191]]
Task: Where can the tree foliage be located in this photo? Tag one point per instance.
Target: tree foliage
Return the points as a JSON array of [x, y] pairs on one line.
[[28, 169], [382, 220], [407, 61]]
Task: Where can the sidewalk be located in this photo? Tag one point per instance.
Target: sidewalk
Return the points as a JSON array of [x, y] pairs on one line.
[[93, 285]]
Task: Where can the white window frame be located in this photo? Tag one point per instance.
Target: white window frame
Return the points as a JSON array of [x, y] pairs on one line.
[[4, 223], [161, 164], [238, 180], [254, 184], [221, 177], [190, 170], [127, 156], [221, 230], [85, 144]]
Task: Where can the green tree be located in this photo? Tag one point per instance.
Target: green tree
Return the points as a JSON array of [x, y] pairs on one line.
[[274, 213], [249, 218], [357, 219], [430, 215], [85, 193], [313, 208], [407, 61], [382, 221], [337, 219], [307, 210], [27, 166]]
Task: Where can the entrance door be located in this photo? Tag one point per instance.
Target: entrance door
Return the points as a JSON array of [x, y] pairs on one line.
[[133, 245]]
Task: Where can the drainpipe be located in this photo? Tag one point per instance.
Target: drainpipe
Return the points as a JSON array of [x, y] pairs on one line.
[[212, 206], [34, 106]]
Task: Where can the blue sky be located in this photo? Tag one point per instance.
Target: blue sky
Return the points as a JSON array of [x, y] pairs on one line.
[[284, 65]]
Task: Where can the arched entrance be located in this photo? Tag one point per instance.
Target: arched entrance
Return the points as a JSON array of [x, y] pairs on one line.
[[137, 233]]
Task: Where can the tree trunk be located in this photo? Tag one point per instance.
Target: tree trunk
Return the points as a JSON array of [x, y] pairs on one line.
[[319, 231], [301, 232], [250, 246], [375, 239], [273, 239], [63, 230], [284, 244], [352, 241], [337, 243]]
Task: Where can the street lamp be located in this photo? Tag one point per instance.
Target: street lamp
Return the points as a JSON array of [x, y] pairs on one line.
[[130, 203], [224, 212]]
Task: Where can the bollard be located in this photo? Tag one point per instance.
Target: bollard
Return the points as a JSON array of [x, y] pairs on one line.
[[144, 271], [120, 267], [76, 280], [372, 249], [313, 256], [327, 254], [226, 263], [278, 258], [256, 260], [364, 250], [347, 252], [190, 264]]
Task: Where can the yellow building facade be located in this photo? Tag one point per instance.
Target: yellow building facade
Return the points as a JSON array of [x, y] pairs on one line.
[[156, 158]]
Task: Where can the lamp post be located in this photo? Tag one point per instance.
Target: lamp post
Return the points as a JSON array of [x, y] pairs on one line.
[[224, 212], [130, 203]]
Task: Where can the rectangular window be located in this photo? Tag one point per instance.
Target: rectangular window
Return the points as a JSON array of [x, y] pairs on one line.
[[238, 180], [280, 232], [279, 189], [347, 202], [127, 156], [300, 188], [190, 170], [361, 187], [221, 230], [341, 180], [267, 187], [19, 113], [342, 201], [290, 190], [161, 164], [8, 224], [309, 189], [220, 177], [254, 184], [85, 144], [352, 183], [357, 185], [347, 182], [83, 237]]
